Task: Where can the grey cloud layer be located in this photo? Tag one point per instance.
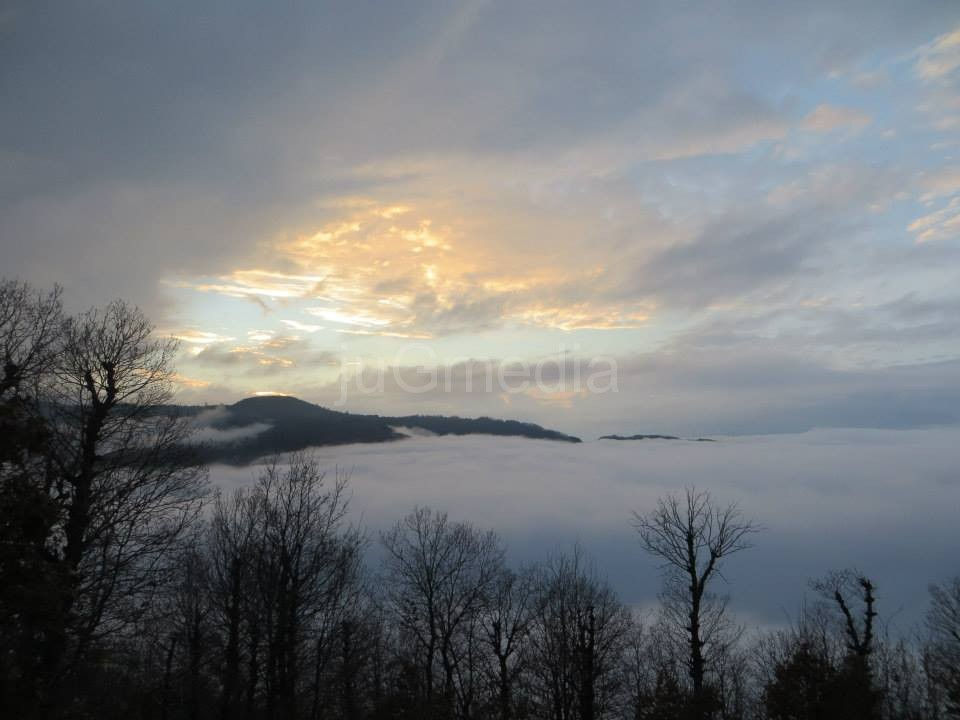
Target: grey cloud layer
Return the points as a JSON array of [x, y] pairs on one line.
[[253, 112], [666, 146]]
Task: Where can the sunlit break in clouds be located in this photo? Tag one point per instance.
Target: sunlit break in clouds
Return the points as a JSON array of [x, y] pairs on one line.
[[752, 212]]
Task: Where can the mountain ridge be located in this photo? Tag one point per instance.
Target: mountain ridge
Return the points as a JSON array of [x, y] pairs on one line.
[[283, 423]]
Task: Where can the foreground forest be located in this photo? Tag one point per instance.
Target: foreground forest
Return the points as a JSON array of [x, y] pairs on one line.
[[129, 588]]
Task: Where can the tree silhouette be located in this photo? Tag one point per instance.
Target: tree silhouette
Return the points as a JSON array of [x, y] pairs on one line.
[[943, 625], [693, 536]]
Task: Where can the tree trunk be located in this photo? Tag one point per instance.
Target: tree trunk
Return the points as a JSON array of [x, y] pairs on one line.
[[587, 668], [506, 704], [167, 681], [232, 654]]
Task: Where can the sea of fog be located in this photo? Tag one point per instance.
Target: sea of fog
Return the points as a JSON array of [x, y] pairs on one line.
[[886, 502]]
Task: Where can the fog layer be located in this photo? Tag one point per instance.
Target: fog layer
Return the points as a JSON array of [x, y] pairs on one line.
[[884, 501]]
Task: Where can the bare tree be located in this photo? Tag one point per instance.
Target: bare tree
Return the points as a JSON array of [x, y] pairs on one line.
[[354, 670], [507, 621], [692, 536], [653, 680], [117, 469], [188, 635], [304, 556], [852, 595], [796, 668], [262, 601], [903, 688], [31, 325], [943, 626], [578, 641], [231, 539], [438, 574], [844, 588]]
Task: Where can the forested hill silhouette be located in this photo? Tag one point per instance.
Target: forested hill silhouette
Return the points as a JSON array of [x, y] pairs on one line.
[[285, 424]]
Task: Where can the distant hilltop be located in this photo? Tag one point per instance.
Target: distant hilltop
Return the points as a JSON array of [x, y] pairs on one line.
[[261, 426]]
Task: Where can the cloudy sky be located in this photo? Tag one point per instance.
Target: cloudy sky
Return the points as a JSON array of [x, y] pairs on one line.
[[752, 209]]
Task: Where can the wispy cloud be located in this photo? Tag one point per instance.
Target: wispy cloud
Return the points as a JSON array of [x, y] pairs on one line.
[[940, 58], [942, 224], [827, 118]]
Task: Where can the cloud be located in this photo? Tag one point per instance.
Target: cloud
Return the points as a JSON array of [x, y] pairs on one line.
[[265, 353], [378, 271], [942, 224], [827, 118], [188, 382], [870, 79], [302, 327], [204, 428], [198, 337], [259, 284], [943, 182], [555, 264], [756, 252], [233, 355], [940, 58], [131, 173]]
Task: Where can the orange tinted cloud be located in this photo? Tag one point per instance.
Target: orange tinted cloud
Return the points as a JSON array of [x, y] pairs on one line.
[[386, 269]]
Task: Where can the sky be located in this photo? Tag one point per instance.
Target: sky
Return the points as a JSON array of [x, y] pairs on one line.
[[746, 214], [805, 490]]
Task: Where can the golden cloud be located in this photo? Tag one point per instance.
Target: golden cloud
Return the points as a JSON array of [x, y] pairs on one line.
[[199, 337], [189, 382], [391, 270]]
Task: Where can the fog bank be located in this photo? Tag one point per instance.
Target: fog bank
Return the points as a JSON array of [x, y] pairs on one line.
[[885, 501]]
